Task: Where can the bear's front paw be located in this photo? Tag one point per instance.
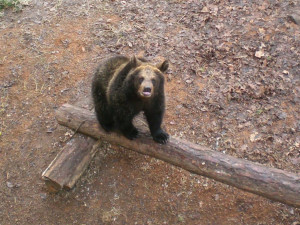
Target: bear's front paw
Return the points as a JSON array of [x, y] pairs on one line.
[[161, 137], [107, 127], [133, 133]]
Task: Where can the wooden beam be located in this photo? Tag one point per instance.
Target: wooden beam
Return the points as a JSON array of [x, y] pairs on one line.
[[70, 163], [271, 183]]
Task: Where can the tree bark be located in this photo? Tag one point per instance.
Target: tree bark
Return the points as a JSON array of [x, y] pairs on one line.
[[271, 183], [70, 163]]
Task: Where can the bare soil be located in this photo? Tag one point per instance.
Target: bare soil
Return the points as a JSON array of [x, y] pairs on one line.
[[234, 85]]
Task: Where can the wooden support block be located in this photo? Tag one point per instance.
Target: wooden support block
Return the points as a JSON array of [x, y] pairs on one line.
[[269, 182], [70, 163]]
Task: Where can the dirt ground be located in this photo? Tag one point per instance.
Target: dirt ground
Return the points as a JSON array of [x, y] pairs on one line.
[[234, 85]]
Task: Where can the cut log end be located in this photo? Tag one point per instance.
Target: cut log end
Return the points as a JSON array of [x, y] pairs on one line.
[[51, 185]]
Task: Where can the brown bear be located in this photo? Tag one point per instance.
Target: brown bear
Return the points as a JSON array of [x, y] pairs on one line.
[[122, 87]]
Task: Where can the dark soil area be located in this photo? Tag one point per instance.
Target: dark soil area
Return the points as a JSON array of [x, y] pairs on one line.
[[233, 85]]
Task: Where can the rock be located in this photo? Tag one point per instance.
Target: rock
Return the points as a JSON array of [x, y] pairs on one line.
[[255, 137], [43, 195], [281, 115], [294, 18], [217, 197], [9, 184], [285, 72], [244, 147], [205, 9], [50, 130], [298, 126], [178, 107], [295, 161]]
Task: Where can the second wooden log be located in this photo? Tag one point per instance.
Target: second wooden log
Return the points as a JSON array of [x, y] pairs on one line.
[[70, 163]]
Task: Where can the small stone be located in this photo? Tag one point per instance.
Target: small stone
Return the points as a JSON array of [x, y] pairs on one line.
[[200, 204], [244, 147], [294, 18], [9, 184], [281, 115], [217, 197], [50, 130], [285, 72], [189, 81], [298, 126], [43, 195], [178, 107], [296, 161], [255, 137], [205, 9], [66, 43], [52, 9]]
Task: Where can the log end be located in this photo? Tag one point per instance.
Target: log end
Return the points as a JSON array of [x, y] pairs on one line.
[[51, 185]]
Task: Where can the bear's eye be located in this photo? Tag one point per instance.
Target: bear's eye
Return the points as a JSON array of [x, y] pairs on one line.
[[141, 79], [153, 81]]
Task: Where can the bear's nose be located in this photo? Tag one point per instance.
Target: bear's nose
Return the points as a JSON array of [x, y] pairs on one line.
[[147, 89]]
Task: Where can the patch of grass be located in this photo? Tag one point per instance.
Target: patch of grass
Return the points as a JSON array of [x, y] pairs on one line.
[[14, 4], [8, 3], [181, 218]]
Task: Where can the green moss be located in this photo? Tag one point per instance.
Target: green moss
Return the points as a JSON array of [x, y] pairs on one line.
[[15, 4]]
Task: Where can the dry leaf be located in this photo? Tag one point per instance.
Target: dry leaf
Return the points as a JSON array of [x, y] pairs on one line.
[[259, 53], [205, 10]]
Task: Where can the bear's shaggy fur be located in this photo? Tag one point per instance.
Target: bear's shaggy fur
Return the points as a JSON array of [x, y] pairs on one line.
[[122, 87]]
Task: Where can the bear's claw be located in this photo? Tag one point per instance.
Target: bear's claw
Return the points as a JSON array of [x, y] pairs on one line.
[[161, 137]]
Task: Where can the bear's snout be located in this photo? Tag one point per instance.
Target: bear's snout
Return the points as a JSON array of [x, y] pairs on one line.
[[147, 91]]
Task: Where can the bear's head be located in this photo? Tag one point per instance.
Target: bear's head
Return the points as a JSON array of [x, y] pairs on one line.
[[147, 79]]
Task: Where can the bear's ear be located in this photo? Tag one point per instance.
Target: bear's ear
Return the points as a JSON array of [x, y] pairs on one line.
[[163, 66], [133, 61]]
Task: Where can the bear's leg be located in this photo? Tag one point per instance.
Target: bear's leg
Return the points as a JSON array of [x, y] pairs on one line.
[[105, 119], [103, 113], [154, 121], [124, 123]]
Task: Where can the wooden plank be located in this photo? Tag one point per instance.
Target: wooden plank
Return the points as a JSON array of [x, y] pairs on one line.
[[70, 163]]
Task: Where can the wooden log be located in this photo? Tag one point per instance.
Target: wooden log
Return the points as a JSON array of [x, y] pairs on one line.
[[271, 183], [70, 163]]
